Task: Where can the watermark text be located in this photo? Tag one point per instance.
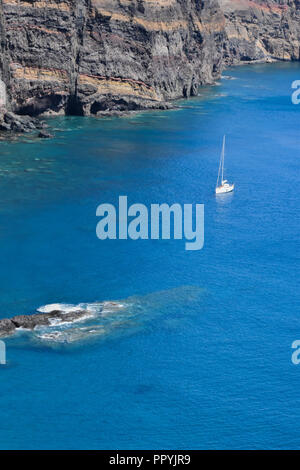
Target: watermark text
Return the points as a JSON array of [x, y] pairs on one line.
[[161, 222], [2, 353], [296, 93]]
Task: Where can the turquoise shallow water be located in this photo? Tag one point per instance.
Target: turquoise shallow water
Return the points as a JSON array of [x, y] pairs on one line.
[[200, 355]]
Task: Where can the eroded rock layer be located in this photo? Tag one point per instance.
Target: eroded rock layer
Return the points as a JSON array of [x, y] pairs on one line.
[[87, 56], [259, 30], [96, 56]]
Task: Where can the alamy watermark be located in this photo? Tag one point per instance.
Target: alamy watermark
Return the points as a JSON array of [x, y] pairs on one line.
[[2, 353], [160, 221], [296, 93], [2, 93], [296, 353]]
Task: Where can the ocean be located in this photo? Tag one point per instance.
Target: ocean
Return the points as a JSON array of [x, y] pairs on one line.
[[197, 353]]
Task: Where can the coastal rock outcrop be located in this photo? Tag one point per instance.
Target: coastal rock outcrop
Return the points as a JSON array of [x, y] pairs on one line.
[[10, 121], [56, 318], [8, 326]]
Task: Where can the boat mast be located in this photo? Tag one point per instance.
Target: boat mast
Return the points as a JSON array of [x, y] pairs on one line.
[[223, 157], [221, 165]]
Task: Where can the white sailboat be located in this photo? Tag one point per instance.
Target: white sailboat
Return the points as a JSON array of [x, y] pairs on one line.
[[224, 187]]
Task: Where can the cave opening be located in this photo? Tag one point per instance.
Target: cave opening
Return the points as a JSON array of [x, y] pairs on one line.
[[74, 107]]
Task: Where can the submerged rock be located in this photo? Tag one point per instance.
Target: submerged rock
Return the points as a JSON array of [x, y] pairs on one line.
[[45, 135]]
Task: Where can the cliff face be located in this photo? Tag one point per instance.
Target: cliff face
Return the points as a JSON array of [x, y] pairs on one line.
[[261, 30], [86, 56]]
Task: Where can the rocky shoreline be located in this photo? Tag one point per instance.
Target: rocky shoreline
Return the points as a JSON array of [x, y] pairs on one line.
[[11, 122], [99, 58]]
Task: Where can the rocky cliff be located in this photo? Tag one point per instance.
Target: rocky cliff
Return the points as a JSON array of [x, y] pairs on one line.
[[92, 56], [261, 30], [86, 56]]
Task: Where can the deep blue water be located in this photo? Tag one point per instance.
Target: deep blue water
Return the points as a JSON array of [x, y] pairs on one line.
[[201, 357]]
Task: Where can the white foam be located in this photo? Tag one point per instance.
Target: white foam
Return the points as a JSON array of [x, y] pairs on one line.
[[94, 307], [70, 336], [60, 330], [60, 322], [64, 308], [228, 77], [56, 335]]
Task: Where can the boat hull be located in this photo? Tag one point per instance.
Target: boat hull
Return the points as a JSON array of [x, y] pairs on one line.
[[227, 188]]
